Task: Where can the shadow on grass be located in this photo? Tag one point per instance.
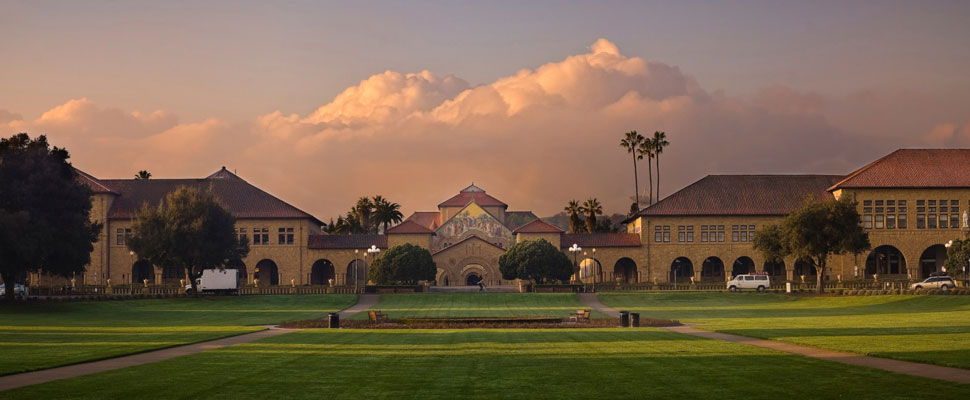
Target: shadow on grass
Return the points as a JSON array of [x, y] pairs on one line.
[[774, 333]]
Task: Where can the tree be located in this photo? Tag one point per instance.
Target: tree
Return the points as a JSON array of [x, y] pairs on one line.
[[957, 258], [188, 229], [648, 148], [386, 213], [363, 211], [591, 208], [45, 222], [815, 231], [632, 143], [142, 175], [659, 143], [406, 264], [575, 222], [535, 260]]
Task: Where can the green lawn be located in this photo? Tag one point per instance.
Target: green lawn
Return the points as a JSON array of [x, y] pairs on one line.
[[43, 335], [932, 329], [479, 305], [475, 363]]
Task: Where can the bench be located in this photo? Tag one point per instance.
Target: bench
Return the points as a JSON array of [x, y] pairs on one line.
[[377, 316], [580, 316]]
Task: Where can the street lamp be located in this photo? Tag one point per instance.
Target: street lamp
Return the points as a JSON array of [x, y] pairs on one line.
[[373, 250], [596, 270], [131, 256], [575, 250], [356, 267]]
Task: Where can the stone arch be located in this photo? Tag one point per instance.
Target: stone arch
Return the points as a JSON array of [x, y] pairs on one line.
[[322, 272], [267, 272], [590, 269], [142, 270], [885, 260], [743, 265], [469, 271], [681, 269], [775, 269], [712, 270], [625, 270], [359, 273], [806, 268], [240, 268], [932, 259], [442, 278]]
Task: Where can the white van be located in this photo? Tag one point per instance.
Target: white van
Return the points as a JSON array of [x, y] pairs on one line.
[[216, 281], [759, 282]]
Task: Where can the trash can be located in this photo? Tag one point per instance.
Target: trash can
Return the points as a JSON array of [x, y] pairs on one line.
[[624, 319], [334, 320], [635, 320]]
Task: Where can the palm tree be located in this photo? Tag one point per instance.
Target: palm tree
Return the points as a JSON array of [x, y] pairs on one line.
[[648, 148], [386, 213], [573, 210], [363, 210], [659, 142], [352, 222], [631, 143], [142, 175], [591, 208]]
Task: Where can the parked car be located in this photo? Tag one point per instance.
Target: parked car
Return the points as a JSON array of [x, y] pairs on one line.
[[759, 282], [935, 282], [19, 291]]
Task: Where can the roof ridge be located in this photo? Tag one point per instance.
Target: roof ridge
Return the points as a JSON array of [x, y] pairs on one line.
[[470, 237], [860, 170]]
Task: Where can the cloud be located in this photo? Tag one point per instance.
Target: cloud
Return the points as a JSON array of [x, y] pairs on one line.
[[535, 138]]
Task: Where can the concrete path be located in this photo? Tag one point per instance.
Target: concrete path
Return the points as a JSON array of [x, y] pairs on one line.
[[958, 375], [364, 302], [70, 371]]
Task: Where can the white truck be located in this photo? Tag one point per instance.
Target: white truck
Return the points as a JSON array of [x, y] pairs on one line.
[[216, 281], [756, 281]]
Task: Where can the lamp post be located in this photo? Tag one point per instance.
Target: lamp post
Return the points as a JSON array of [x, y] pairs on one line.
[[947, 245], [373, 250], [596, 269], [131, 256], [356, 267], [575, 249]]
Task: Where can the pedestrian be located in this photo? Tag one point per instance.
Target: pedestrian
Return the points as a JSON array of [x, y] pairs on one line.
[[481, 284]]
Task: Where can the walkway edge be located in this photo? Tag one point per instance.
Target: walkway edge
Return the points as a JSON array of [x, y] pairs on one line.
[[950, 374]]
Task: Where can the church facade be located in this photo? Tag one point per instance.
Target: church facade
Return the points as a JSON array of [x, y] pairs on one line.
[[911, 201]]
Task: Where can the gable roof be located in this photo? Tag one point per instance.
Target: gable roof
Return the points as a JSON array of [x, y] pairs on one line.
[[240, 198], [346, 241], [472, 193], [428, 219], [94, 184], [538, 226], [743, 195], [472, 237], [408, 226], [600, 240], [913, 168]]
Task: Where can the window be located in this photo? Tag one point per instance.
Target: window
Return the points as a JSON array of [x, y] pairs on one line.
[[879, 202], [867, 202], [286, 235], [954, 220], [901, 221], [920, 221], [261, 236], [943, 221], [902, 206], [879, 221], [735, 236], [954, 202], [122, 236], [867, 221], [890, 202], [931, 221], [932, 202], [690, 237], [681, 236], [658, 237], [744, 236], [666, 236], [243, 237], [703, 236], [720, 236], [890, 221]]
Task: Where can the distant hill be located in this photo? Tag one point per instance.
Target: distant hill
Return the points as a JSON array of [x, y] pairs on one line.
[[562, 221]]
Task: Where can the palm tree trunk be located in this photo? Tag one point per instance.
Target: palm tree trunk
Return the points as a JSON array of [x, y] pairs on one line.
[[650, 172], [636, 181], [658, 176]]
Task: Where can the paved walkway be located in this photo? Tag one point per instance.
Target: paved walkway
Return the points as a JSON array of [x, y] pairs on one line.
[[958, 375], [8, 382]]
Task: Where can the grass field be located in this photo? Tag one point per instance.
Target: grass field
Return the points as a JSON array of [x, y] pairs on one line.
[[42, 335], [479, 305], [580, 363], [931, 329]]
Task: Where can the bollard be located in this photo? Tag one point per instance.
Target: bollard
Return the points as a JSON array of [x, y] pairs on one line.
[[334, 320], [635, 320], [624, 319]]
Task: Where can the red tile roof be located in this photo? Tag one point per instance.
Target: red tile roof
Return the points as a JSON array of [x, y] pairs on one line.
[[600, 240], [409, 226], [913, 168], [242, 199], [743, 195], [428, 219], [91, 182], [472, 193], [538, 226], [346, 241]]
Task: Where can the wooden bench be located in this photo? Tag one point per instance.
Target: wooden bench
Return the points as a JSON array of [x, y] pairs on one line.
[[580, 316], [376, 316]]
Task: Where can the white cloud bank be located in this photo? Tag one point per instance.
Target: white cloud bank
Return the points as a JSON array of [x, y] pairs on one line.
[[535, 139]]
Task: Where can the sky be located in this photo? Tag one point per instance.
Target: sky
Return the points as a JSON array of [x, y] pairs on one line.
[[320, 103]]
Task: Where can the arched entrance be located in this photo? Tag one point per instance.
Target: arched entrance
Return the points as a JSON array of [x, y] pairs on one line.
[[681, 269], [472, 279], [141, 271], [239, 266], [321, 272], [743, 265], [267, 272], [805, 268], [932, 259], [776, 269], [359, 273], [441, 278], [472, 273], [625, 270], [588, 269], [712, 270], [172, 273], [885, 260]]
